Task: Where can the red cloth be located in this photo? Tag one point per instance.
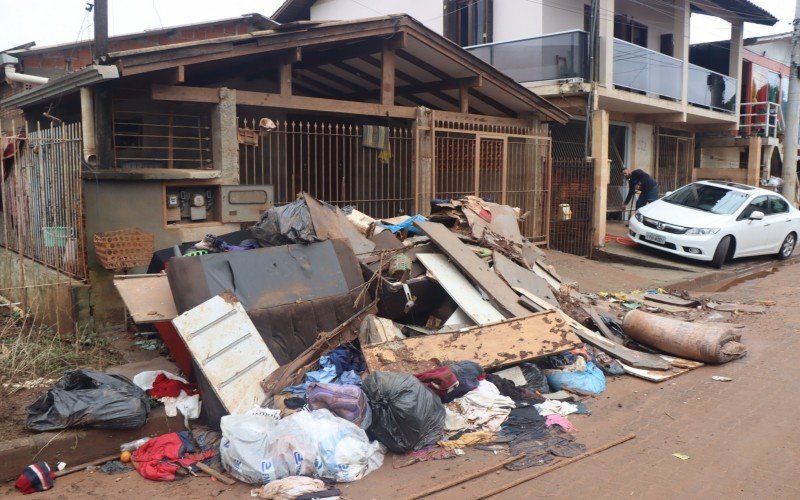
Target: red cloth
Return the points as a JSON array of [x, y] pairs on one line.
[[165, 387], [160, 458], [440, 380]]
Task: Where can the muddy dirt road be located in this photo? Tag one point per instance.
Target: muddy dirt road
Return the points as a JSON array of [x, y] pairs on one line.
[[741, 436]]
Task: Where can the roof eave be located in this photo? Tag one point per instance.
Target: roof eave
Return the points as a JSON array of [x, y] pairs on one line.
[[59, 87]]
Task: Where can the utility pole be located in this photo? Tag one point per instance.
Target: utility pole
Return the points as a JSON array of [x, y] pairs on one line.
[[102, 95], [792, 115]]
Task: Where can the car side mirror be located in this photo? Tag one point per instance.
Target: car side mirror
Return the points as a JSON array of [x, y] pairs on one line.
[[756, 215]]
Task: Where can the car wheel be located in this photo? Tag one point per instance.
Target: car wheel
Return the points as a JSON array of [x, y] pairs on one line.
[[721, 253], [787, 247]]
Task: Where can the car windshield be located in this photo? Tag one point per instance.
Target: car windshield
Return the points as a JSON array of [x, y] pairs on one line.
[[714, 199]]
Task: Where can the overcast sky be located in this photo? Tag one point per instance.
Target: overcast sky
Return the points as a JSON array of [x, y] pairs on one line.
[[58, 21]]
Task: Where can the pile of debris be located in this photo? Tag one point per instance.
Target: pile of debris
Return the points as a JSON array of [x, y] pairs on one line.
[[320, 338]]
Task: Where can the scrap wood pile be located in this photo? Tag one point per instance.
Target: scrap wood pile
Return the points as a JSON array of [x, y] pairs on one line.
[[322, 338]]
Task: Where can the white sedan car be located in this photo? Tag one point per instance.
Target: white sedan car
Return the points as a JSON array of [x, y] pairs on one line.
[[717, 221]]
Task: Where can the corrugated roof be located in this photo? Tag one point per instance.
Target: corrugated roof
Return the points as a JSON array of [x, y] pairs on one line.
[[746, 10]]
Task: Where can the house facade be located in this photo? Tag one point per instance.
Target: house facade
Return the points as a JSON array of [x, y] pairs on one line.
[[622, 68], [382, 114]]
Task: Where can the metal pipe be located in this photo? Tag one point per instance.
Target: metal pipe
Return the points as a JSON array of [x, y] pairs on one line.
[[13, 77], [87, 126]]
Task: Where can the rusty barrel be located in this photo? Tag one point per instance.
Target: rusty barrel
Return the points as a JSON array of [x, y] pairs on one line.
[[706, 342]]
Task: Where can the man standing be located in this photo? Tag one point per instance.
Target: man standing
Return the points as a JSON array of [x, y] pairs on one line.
[[646, 185]]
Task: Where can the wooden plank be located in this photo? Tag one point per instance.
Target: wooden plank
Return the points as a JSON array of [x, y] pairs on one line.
[[518, 277], [653, 375], [229, 351], [475, 268], [742, 308], [602, 327], [672, 300], [501, 344], [263, 99], [456, 285], [285, 76], [634, 358], [147, 297]]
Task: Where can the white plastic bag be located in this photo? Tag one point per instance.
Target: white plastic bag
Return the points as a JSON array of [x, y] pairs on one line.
[[258, 449]]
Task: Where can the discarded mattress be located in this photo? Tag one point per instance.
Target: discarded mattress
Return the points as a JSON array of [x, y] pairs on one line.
[[710, 343]]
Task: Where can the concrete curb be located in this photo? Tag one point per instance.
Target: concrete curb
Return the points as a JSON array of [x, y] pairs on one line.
[[604, 255], [77, 446]]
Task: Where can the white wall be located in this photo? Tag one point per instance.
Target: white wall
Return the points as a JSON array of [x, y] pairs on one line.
[[719, 157], [643, 147], [514, 19], [562, 15], [428, 12], [779, 50]]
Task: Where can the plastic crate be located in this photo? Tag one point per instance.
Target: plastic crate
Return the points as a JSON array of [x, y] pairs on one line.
[[124, 249]]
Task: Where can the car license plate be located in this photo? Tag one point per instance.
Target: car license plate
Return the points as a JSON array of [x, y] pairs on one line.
[[655, 238]]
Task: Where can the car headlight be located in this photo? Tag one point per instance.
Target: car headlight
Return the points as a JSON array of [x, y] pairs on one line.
[[638, 216], [702, 230]]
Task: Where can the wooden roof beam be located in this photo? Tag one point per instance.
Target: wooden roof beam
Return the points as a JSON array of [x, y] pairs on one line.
[[421, 88], [267, 100]]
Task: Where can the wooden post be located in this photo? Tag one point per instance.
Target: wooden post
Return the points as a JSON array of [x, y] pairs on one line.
[[388, 60], [286, 79], [463, 98], [602, 174]]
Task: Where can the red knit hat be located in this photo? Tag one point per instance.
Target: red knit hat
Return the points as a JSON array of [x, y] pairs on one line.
[[36, 477]]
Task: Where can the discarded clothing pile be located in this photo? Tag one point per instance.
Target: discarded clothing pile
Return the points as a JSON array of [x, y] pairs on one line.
[[160, 458], [173, 391]]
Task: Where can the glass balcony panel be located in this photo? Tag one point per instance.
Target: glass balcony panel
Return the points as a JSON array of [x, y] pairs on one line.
[[645, 70], [711, 90], [550, 57]]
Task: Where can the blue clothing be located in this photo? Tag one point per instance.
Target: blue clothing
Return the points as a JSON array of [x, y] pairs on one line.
[[646, 185], [647, 197]]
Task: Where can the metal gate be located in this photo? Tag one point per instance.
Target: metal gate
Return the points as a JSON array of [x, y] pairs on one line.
[[571, 206], [507, 168], [674, 161]]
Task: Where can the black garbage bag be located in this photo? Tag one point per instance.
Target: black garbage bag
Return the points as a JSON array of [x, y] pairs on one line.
[[535, 378], [406, 415], [285, 225], [85, 398]]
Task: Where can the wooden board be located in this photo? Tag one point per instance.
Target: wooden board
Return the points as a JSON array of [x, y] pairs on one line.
[[456, 285], [653, 375], [518, 277], [635, 358], [742, 308], [602, 327], [501, 344], [229, 351], [475, 269], [147, 297], [672, 300]]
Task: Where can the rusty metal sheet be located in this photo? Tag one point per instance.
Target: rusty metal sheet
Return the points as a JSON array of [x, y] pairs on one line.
[[228, 350], [506, 343], [475, 268], [147, 297]]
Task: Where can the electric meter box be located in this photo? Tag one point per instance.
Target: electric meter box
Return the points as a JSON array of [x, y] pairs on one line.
[[245, 203]]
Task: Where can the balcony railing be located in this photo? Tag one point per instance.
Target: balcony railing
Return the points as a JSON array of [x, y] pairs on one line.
[[764, 119], [550, 57], [645, 70], [711, 89]]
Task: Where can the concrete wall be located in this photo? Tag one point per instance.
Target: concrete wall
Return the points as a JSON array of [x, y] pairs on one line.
[[428, 12], [112, 205], [643, 148], [53, 298], [514, 19], [720, 157], [560, 15], [779, 50]]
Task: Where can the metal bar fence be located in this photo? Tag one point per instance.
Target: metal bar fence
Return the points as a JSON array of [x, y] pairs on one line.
[[42, 198], [571, 206], [329, 161]]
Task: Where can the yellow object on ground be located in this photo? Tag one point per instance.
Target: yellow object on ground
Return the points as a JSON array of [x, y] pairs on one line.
[[468, 439]]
